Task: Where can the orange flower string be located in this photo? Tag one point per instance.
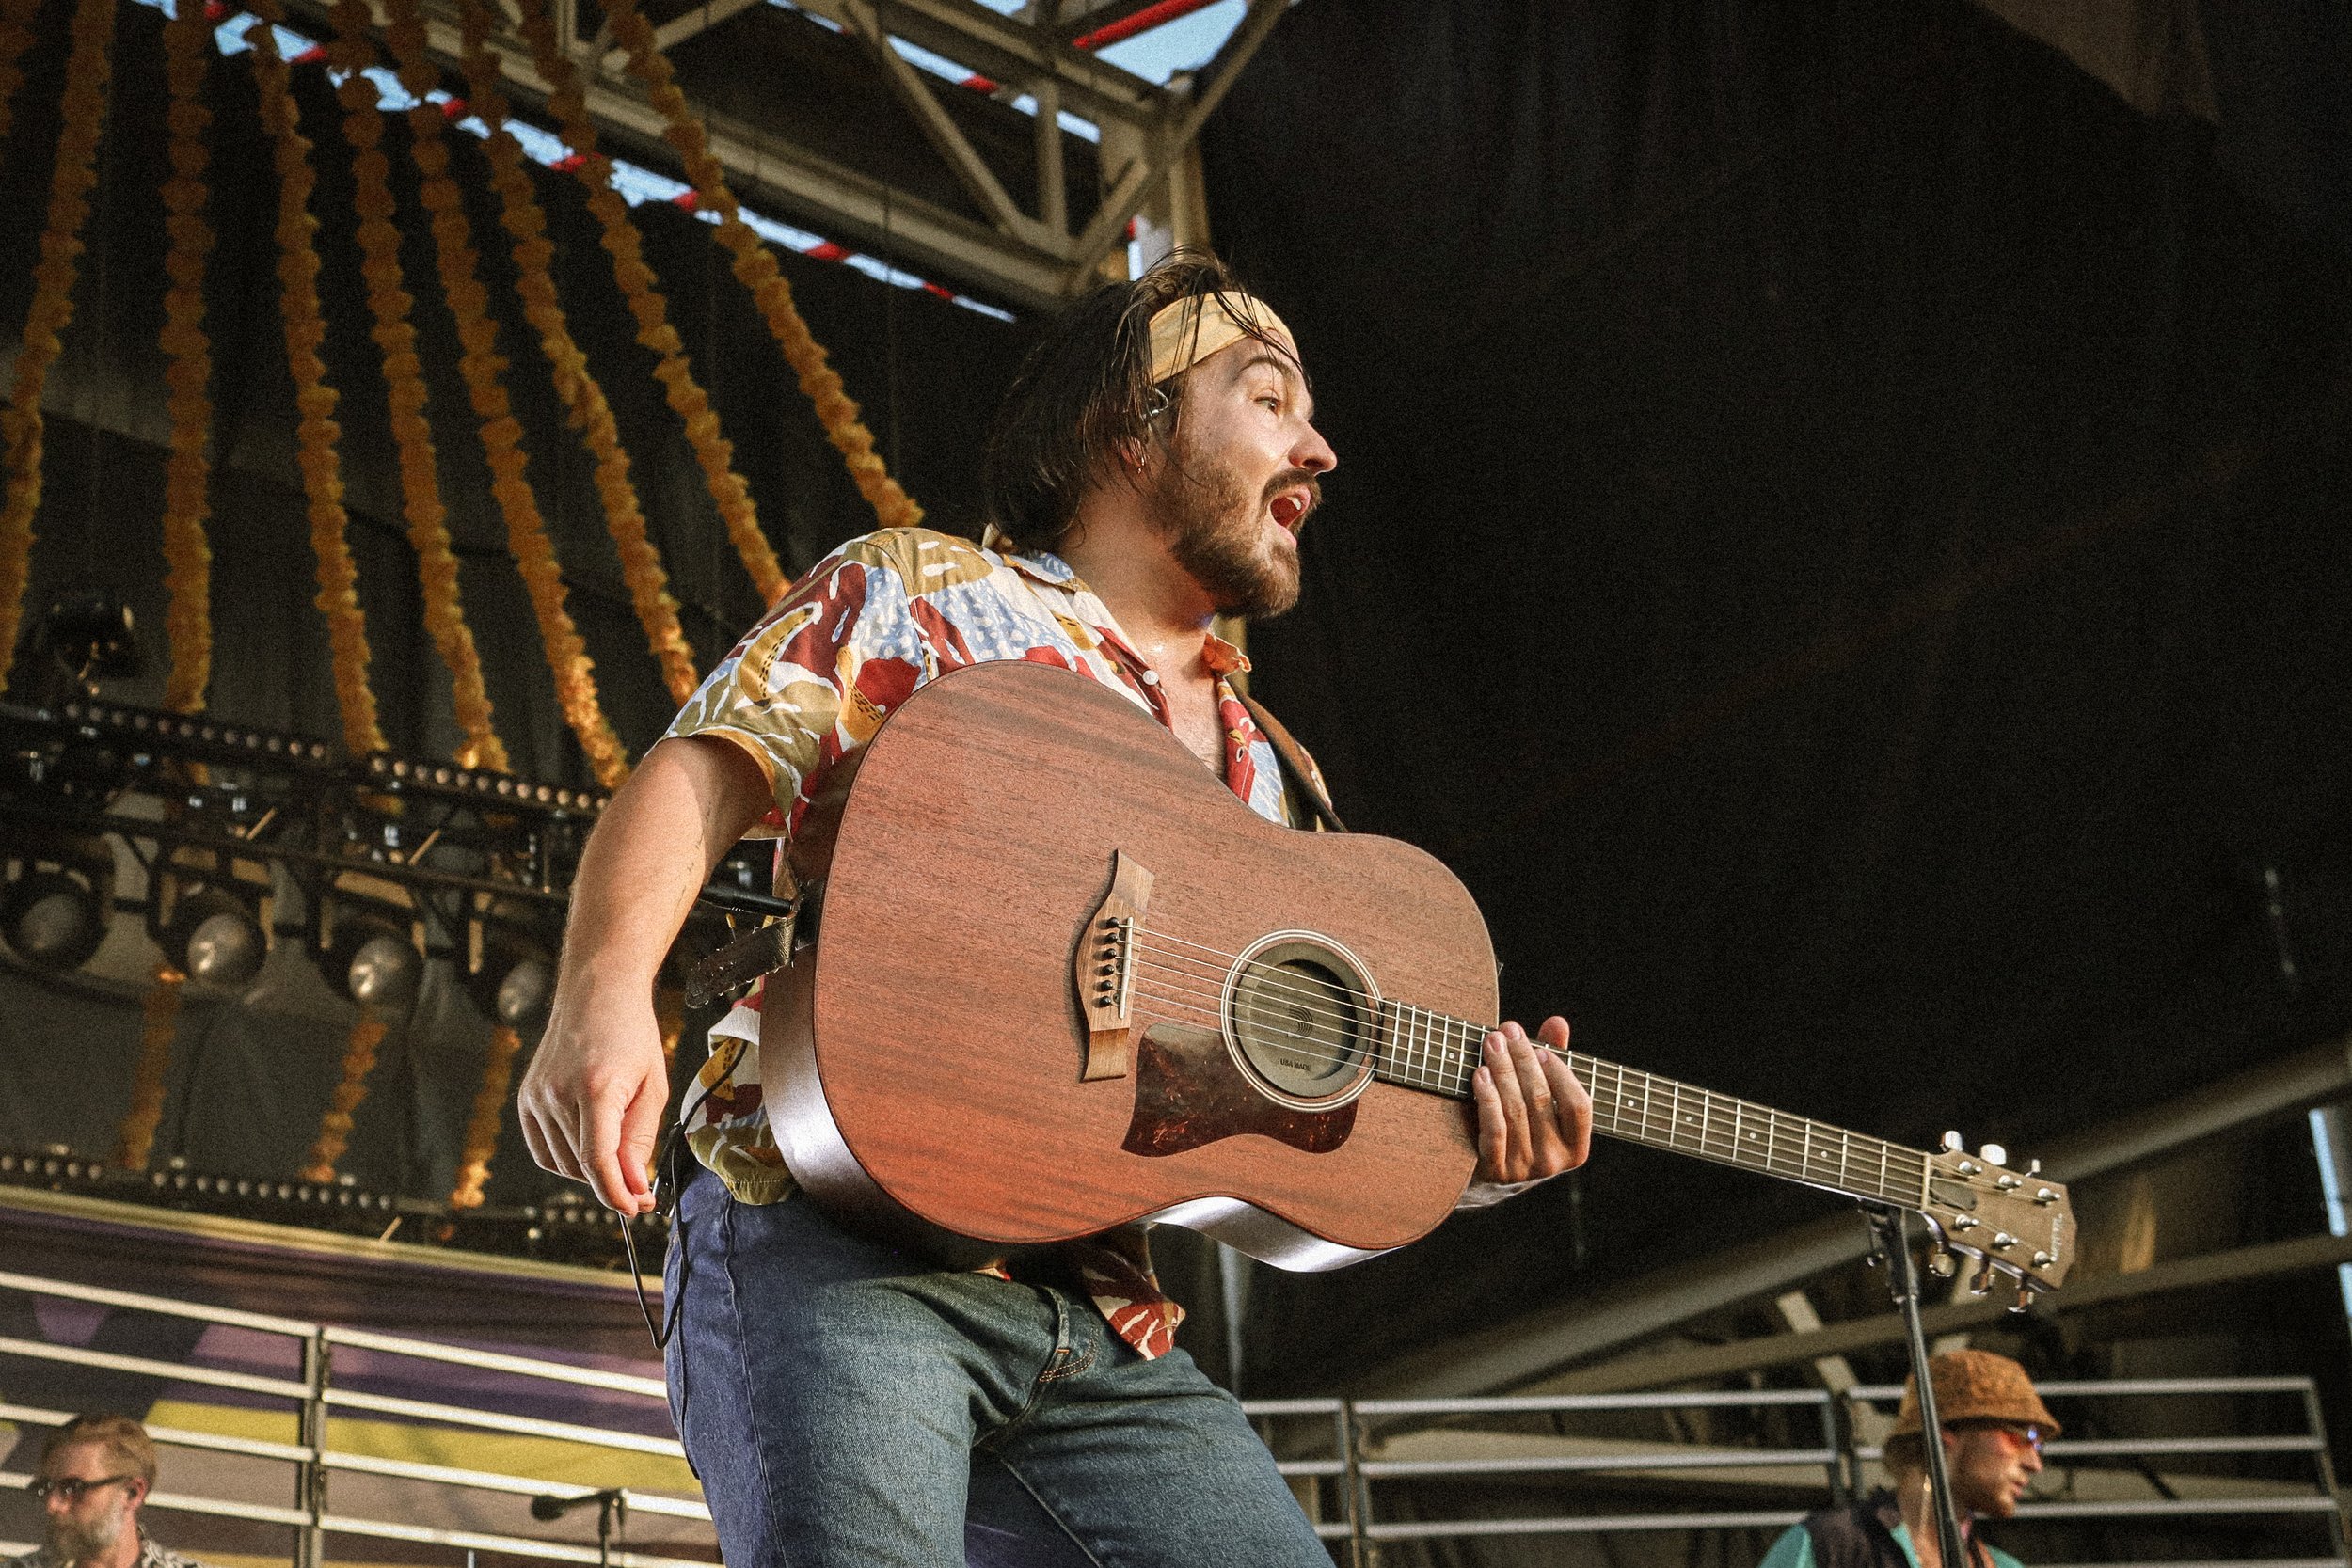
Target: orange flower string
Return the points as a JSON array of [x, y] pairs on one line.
[[367, 1033], [89, 71], [583, 399], [159, 1020], [187, 558], [481, 366], [755, 267], [482, 1128], [390, 303], [316, 434], [16, 36], [686, 396]]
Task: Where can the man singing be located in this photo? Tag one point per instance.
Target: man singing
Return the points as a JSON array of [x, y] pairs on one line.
[[843, 1401]]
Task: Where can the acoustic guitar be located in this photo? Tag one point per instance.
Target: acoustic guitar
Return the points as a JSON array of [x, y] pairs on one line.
[[1063, 981]]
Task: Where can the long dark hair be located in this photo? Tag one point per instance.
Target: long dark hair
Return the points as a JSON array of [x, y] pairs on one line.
[[1083, 392]]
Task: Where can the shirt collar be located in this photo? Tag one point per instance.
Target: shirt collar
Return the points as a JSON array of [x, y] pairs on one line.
[[1047, 567]]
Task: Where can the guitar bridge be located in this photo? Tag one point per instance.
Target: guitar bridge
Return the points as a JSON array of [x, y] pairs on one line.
[[1106, 970]]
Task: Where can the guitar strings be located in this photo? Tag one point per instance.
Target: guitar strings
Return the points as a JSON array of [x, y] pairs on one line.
[[1706, 1141], [1445, 1057], [1656, 1092]]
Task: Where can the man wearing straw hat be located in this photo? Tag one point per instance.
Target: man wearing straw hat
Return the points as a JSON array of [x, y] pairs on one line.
[[845, 1404], [1994, 1424]]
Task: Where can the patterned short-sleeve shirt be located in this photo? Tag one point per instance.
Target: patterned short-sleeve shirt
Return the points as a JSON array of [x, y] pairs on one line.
[[810, 684]]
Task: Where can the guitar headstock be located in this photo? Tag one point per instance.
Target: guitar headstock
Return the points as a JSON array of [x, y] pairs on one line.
[[2011, 1222]]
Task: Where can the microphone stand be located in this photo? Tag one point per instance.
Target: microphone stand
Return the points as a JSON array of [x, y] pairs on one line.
[[611, 1513], [1890, 1229]]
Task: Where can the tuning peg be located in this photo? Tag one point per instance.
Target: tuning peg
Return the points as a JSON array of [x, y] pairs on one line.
[[1994, 1154], [1943, 1265], [1983, 1281], [2025, 1297], [2033, 1167], [1954, 1143]]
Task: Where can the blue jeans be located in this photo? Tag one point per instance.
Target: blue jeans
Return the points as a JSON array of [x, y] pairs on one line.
[[845, 1404]]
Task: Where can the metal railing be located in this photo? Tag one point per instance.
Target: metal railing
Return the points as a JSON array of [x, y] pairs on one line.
[[1362, 1467], [312, 1396]]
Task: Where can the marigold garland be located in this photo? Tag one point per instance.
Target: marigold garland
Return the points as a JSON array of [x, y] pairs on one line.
[[16, 36], [755, 267], [89, 71], [367, 1033], [188, 558], [159, 1020], [482, 1129], [316, 434], [481, 365], [584, 403], [686, 396], [390, 303]]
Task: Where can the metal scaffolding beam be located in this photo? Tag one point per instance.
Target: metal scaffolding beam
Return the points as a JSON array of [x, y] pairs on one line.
[[1032, 255]]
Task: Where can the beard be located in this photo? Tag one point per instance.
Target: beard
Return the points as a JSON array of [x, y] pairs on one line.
[[1216, 532], [83, 1540]]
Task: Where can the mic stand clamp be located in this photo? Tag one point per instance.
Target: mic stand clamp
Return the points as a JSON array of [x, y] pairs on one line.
[[1890, 1231]]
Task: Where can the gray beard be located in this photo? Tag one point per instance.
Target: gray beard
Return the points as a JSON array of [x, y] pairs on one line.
[[74, 1541]]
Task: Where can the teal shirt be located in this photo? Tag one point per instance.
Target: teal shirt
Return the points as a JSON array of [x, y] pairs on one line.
[[1795, 1550]]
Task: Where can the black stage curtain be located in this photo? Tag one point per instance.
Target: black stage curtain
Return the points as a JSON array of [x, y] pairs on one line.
[[1839, 541]]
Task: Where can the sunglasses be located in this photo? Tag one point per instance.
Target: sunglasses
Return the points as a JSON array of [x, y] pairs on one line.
[[71, 1488], [2021, 1432]]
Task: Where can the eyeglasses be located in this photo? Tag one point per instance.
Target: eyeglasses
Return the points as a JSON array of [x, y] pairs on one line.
[[74, 1489]]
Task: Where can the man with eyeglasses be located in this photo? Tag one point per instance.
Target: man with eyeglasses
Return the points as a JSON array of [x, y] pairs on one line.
[[95, 1472], [1993, 1428]]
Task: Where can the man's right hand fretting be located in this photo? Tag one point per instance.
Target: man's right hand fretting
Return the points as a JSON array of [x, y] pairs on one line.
[[592, 1102]]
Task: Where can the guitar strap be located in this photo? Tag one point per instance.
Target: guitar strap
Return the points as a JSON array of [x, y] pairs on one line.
[[1296, 769]]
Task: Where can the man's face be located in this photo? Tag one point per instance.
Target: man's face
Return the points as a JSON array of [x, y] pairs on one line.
[[88, 1526], [1232, 493], [1990, 1467]]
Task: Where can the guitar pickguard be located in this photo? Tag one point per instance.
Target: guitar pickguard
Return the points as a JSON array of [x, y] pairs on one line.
[[1188, 1093]]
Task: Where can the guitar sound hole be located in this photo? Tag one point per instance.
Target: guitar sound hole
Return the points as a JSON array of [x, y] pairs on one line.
[[1299, 1025]]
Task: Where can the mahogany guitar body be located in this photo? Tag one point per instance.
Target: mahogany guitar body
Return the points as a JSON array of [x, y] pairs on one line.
[[926, 1058]]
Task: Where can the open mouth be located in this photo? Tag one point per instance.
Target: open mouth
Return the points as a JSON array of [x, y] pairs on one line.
[[1289, 507]]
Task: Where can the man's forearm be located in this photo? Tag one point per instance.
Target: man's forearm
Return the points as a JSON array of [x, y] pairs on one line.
[[651, 853]]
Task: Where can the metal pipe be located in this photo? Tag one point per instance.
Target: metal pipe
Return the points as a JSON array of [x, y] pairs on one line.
[[459, 1414], [493, 1361]]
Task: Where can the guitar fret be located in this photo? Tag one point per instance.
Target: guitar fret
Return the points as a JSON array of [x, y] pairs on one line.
[[1436, 1051]]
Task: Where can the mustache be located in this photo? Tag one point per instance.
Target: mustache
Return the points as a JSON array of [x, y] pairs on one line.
[[1293, 480]]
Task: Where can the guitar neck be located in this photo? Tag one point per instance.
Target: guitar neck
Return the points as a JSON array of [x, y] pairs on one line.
[[1428, 1051]]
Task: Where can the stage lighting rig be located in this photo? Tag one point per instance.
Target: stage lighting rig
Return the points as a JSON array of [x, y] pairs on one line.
[[570, 1226]]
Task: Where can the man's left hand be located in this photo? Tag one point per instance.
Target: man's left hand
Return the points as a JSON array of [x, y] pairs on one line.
[[1534, 1119]]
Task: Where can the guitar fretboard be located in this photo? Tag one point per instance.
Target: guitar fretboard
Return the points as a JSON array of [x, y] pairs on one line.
[[1424, 1050]]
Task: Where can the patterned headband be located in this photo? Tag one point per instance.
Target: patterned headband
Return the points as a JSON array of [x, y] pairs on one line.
[[1185, 333]]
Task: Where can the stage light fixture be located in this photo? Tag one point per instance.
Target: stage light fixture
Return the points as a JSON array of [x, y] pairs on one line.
[[372, 949], [53, 919], [515, 984], [510, 963], [88, 635], [213, 936]]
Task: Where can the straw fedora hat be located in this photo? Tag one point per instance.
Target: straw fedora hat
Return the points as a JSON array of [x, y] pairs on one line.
[[1976, 1385]]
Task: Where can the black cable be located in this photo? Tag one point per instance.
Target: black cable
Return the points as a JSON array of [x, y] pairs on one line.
[[663, 1154]]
